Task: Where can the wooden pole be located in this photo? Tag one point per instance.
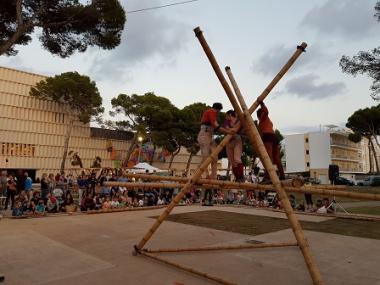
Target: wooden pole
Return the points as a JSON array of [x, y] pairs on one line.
[[182, 193], [212, 156], [214, 181], [251, 186], [231, 247], [188, 269], [255, 138]]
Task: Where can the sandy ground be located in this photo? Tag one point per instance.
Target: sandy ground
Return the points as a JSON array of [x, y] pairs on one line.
[[96, 249]]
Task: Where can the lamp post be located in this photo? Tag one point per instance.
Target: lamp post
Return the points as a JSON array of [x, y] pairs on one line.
[[140, 139]]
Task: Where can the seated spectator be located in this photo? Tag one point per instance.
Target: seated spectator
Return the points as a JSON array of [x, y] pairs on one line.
[[40, 208], [36, 197], [239, 198], [230, 197], [301, 207], [114, 203], [98, 201], [107, 204], [122, 201], [329, 208], [160, 202], [52, 205], [321, 209], [17, 210], [68, 204], [88, 203], [141, 203], [220, 197]]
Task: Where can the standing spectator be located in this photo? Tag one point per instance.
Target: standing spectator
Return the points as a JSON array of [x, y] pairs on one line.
[[11, 192], [51, 182], [3, 183], [82, 186], [20, 180], [92, 182], [28, 185], [44, 186]]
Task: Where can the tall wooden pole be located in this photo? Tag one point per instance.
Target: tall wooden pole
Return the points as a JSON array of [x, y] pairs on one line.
[[212, 156], [255, 138]]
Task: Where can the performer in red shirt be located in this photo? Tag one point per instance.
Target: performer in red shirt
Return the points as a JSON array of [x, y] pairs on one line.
[[209, 125], [270, 140]]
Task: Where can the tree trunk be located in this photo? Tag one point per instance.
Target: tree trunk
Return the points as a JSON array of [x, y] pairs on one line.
[[375, 156], [154, 152], [66, 144], [188, 164], [370, 156], [172, 157], [130, 149]]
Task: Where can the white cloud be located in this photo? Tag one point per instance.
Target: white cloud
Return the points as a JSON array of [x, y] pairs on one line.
[[348, 19], [271, 62], [146, 36], [306, 87]]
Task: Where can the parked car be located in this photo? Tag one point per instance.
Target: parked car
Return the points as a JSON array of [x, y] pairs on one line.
[[372, 180], [343, 181]]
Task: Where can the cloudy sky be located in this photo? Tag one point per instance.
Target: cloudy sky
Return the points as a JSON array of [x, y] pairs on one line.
[[160, 53]]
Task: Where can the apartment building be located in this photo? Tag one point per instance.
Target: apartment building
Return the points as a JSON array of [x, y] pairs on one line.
[[32, 133], [312, 153]]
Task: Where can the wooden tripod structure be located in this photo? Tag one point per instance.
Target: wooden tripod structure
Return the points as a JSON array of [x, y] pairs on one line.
[[244, 114]]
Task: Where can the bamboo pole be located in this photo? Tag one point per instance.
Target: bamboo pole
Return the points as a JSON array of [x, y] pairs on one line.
[[225, 247], [255, 138], [207, 181], [252, 186], [188, 269], [213, 155], [181, 194], [339, 193]]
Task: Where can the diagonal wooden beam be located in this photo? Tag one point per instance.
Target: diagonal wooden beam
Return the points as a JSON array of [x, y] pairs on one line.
[[255, 139]]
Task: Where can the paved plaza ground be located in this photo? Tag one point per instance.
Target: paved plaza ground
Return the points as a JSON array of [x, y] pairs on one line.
[[96, 249]]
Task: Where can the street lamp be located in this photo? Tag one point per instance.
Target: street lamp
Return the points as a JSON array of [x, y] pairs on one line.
[[140, 139]]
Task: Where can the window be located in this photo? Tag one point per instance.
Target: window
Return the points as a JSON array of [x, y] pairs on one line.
[[306, 140], [307, 151], [308, 164]]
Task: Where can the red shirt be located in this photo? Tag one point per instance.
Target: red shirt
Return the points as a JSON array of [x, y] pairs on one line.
[[209, 118], [265, 124]]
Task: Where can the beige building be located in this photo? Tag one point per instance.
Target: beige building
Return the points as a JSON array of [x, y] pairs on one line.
[[312, 153], [32, 133]]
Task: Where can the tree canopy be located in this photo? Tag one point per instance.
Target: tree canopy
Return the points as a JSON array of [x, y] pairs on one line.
[[365, 62], [66, 25], [80, 95], [78, 91], [152, 116], [366, 123]]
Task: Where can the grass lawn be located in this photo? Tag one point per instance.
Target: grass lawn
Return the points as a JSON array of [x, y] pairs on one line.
[[256, 225], [355, 189], [369, 210]]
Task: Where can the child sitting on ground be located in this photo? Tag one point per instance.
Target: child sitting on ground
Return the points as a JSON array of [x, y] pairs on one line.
[[40, 208], [107, 204], [17, 209]]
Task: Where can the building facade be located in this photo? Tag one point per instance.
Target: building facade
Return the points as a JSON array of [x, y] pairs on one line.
[[312, 153], [32, 133]]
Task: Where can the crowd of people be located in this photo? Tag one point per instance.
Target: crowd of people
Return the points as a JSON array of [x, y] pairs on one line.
[[56, 194]]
